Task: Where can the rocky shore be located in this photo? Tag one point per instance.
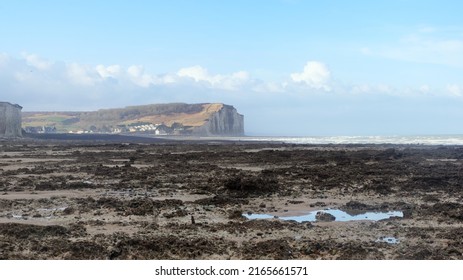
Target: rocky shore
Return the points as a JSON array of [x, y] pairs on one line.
[[194, 200]]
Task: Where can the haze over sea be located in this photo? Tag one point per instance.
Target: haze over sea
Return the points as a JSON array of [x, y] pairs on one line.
[[394, 139]]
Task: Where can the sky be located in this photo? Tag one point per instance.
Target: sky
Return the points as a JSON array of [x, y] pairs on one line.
[[291, 67]]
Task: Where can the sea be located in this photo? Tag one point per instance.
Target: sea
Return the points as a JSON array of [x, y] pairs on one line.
[[403, 140]]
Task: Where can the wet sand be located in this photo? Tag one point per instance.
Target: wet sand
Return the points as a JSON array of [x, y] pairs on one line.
[[84, 199]]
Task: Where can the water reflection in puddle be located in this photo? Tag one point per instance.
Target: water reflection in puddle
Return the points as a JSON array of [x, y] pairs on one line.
[[52, 209], [388, 239], [340, 216]]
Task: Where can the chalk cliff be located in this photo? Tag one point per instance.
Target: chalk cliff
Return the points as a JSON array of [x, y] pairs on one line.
[[10, 120], [225, 122]]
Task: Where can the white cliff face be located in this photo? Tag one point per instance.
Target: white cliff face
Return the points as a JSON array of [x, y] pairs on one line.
[[225, 122], [10, 120]]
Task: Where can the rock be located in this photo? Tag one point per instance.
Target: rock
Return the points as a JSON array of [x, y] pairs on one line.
[[318, 204], [324, 217], [235, 214]]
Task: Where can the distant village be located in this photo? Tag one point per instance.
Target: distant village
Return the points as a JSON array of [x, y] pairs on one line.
[[139, 128]]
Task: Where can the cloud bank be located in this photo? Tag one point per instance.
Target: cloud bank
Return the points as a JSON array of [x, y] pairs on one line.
[[41, 84], [307, 102]]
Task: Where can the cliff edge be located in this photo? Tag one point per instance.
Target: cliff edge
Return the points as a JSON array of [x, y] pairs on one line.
[[223, 121]]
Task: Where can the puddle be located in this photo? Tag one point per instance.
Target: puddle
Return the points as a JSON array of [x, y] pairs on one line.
[[340, 216], [17, 217], [52, 209], [388, 239]]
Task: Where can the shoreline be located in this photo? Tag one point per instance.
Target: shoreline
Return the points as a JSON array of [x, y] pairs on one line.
[[417, 140]]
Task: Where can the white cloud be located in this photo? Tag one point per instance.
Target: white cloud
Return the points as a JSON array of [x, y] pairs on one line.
[[168, 79], [197, 73], [241, 75], [234, 81], [315, 75], [80, 74], [36, 61], [228, 82], [137, 76], [455, 90], [135, 70], [111, 71]]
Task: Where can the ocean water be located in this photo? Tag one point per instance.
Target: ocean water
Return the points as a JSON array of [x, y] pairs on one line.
[[416, 140]]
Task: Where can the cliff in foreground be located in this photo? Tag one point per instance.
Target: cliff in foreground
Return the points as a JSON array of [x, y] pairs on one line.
[[10, 120], [206, 119]]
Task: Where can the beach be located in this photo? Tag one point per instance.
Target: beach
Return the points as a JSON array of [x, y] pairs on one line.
[[166, 199]]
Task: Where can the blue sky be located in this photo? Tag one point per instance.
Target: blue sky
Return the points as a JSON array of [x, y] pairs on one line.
[[292, 67]]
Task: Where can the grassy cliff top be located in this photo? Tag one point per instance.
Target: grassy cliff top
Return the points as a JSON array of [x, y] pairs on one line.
[[185, 114]]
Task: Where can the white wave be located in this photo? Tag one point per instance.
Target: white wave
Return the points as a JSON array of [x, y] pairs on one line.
[[416, 140]]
